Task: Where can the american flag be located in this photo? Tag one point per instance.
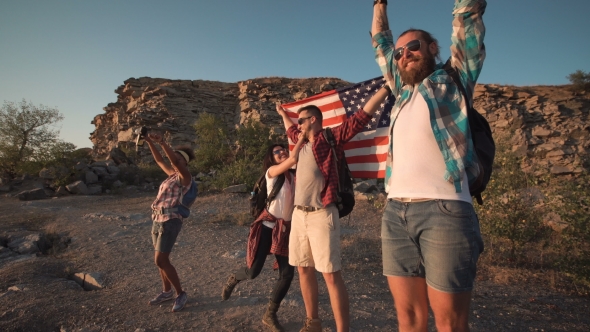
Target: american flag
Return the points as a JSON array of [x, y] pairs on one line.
[[367, 151]]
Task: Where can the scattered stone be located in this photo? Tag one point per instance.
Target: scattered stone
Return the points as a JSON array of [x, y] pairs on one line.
[[235, 254], [90, 281]]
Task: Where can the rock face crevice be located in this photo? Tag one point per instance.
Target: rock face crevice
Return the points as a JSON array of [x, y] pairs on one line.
[[547, 124]]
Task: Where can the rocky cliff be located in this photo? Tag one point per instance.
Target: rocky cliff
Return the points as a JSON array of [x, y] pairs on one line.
[[548, 124]]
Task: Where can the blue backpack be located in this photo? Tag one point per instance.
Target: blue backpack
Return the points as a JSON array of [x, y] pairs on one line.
[[186, 200]]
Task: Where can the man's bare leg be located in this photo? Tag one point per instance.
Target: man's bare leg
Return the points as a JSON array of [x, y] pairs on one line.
[[451, 311], [338, 300], [411, 302], [309, 290]]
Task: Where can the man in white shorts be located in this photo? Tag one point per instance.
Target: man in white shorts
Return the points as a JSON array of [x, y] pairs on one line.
[[314, 243]]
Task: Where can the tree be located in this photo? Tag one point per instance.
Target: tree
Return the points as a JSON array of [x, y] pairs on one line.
[[580, 80], [28, 134]]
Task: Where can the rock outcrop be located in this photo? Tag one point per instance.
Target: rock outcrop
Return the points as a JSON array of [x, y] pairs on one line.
[[548, 124]]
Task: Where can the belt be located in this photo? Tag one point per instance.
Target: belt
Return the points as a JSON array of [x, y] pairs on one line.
[[160, 211], [411, 200], [307, 208]]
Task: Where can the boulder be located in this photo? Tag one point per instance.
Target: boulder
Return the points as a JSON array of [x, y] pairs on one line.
[[91, 177], [30, 195], [27, 242], [78, 188], [94, 189]]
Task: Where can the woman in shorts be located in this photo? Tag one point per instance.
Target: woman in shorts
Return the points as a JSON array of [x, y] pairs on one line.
[[167, 222]]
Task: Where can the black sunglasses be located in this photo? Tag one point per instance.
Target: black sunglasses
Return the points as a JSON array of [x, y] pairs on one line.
[[413, 46], [278, 151], [300, 120]]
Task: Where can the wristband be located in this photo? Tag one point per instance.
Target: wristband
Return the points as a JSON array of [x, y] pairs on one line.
[[379, 1], [386, 86]]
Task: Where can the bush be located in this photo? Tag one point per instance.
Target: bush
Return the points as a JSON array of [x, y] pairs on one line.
[[509, 218], [580, 80], [238, 162], [513, 219]]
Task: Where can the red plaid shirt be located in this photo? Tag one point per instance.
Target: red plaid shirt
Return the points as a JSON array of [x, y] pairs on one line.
[[322, 151], [280, 237]]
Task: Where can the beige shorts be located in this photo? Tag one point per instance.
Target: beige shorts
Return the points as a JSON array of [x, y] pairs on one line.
[[315, 239]]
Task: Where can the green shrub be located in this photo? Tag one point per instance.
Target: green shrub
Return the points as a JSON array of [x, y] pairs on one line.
[[238, 162], [513, 225], [510, 220], [213, 143], [580, 81]]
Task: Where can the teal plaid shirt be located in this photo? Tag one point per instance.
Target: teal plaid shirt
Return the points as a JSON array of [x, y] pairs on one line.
[[448, 108]]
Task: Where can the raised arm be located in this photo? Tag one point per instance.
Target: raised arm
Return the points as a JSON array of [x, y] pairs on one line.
[[467, 49], [152, 139], [292, 160], [373, 104], [286, 119], [380, 22], [177, 164]]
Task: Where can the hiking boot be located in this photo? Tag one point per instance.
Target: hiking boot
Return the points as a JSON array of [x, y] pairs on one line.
[[312, 325], [179, 302], [270, 317], [229, 287], [162, 297]]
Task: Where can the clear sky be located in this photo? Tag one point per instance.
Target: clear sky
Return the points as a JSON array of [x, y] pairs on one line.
[[73, 54]]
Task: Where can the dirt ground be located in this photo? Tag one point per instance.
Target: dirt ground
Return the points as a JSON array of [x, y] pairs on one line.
[[111, 235]]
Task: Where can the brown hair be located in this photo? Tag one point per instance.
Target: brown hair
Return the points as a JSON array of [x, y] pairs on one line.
[[313, 110], [428, 38], [269, 159]]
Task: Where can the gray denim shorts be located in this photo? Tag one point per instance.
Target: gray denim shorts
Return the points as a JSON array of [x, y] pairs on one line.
[[439, 240], [164, 234]]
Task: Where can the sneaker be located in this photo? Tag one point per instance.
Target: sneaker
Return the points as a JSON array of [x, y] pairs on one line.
[[180, 302], [162, 297], [229, 287]]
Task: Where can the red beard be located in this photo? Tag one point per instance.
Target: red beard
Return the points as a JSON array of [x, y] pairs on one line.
[[425, 67]]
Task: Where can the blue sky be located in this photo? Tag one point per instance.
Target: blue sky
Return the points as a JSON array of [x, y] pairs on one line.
[[72, 55]]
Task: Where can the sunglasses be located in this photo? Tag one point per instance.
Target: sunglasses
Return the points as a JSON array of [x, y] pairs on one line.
[[413, 46], [301, 120], [277, 152]]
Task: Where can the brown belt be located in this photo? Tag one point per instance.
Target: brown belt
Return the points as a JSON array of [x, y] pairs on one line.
[[411, 200], [307, 208]]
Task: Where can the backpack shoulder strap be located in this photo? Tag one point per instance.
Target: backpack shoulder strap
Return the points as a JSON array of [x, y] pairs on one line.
[[455, 76], [330, 138], [275, 189]]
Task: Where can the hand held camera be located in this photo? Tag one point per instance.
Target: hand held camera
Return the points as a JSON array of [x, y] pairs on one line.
[[141, 133]]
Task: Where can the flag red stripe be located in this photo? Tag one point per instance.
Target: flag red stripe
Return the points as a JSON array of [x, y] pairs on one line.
[[369, 158], [369, 174], [366, 143]]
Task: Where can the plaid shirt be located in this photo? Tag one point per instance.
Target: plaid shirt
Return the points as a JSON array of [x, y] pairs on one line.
[[168, 196], [322, 151], [280, 237], [448, 108]]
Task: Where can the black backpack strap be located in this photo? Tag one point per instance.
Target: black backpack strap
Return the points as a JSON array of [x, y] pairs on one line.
[[329, 136], [470, 110], [275, 189]]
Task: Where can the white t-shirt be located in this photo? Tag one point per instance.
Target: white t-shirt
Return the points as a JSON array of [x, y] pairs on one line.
[[418, 164], [282, 206]]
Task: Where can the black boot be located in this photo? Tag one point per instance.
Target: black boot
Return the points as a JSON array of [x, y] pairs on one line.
[[229, 287], [270, 317]]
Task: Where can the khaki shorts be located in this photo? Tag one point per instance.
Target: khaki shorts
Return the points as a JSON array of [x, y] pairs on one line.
[[315, 239]]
